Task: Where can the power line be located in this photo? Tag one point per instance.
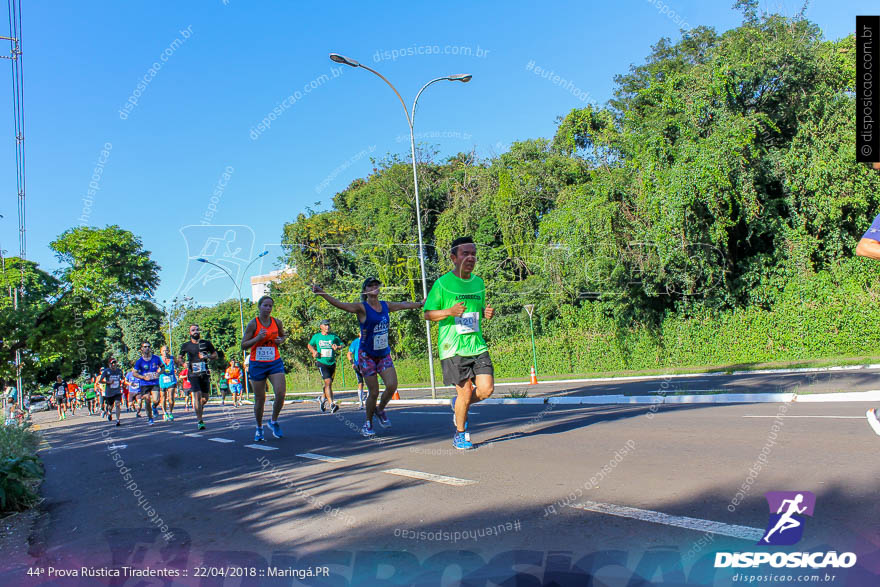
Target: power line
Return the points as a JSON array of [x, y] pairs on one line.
[[15, 56]]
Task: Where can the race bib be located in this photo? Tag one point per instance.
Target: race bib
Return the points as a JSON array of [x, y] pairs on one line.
[[326, 353], [165, 379], [380, 341], [266, 353], [114, 381], [198, 367], [233, 382], [467, 323]]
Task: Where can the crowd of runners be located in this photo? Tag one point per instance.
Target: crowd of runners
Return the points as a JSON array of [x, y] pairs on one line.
[[155, 383]]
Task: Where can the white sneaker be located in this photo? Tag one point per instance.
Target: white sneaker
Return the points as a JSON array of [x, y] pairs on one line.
[[873, 422]]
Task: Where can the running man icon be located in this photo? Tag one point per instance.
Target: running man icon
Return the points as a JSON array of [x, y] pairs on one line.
[[787, 525]]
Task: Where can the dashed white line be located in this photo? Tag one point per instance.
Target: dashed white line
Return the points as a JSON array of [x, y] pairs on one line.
[[743, 532], [446, 413], [430, 477], [176, 431], [225, 440], [260, 447], [194, 435], [314, 457]]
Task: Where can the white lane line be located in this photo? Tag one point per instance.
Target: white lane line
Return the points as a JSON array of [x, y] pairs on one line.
[[117, 446], [743, 532], [447, 413], [837, 417], [314, 457], [430, 477], [176, 431], [194, 435], [260, 447], [224, 440]]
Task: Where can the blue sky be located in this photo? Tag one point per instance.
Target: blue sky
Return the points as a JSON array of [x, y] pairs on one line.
[[193, 131]]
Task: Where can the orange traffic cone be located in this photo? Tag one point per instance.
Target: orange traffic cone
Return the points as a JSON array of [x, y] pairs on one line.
[[534, 380], [396, 395]]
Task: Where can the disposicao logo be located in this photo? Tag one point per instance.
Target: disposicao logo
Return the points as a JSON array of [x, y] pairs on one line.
[[786, 527]]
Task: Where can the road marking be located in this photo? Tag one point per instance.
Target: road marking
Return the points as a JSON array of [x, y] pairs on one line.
[[838, 417], [430, 477], [117, 447], [732, 530], [194, 435], [220, 440], [447, 413], [313, 456], [260, 447], [176, 431]]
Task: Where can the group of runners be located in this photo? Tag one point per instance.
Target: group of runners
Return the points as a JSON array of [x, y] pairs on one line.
[[154, 382], [457, 301]]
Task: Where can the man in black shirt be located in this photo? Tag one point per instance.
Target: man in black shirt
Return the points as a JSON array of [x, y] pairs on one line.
[[197, 352], [111, 377], [59, 391]]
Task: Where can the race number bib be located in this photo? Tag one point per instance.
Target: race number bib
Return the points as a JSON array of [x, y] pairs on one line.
[[266, 353], [198, 367], [114, 381], [165, 379], [380, 341], [467, 323], [326, 353]]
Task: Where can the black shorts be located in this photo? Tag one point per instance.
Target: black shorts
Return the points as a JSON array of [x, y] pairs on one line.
[[357, 372], [457, 370], [147, 389], [109, 400], [327, 371], [200, 384]]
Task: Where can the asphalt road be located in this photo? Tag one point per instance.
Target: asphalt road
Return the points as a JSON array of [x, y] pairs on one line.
[[543, 497], [757, 382]]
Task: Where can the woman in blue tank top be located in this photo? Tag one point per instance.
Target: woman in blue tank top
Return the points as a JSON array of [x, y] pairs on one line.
[[374, 356]]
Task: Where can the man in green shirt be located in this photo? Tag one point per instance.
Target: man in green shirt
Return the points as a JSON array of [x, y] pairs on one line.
[[458, 301], [324, 347]]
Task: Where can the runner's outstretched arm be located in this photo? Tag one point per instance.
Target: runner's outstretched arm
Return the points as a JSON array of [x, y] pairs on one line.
[[398, 306], [356, 308]]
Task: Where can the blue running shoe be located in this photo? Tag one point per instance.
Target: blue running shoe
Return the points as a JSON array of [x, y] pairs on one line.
[[383, 419], [258, 435], [275, 427], [367, 430], [461, 442]]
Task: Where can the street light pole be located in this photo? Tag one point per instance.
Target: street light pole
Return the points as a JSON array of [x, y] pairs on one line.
[[530, 308], [410, 120]]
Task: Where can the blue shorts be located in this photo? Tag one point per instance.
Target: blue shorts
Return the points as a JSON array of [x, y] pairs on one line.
[[260, 370], [235, 388]]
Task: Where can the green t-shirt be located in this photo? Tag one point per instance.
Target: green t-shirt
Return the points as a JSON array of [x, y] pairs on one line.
[[323, 343], [462, 336]]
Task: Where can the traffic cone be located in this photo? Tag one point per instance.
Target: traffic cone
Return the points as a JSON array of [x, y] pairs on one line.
[[534, 380], [396, 395]]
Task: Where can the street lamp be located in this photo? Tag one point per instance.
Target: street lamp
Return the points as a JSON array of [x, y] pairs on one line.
[[240, 311], [530, 309], [410, 119]]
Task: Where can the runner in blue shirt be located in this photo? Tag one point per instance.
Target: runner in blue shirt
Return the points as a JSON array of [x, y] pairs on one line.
[[146, 370], [374, 354]]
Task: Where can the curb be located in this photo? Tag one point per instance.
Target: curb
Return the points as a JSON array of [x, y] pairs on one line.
[[721, 398]]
